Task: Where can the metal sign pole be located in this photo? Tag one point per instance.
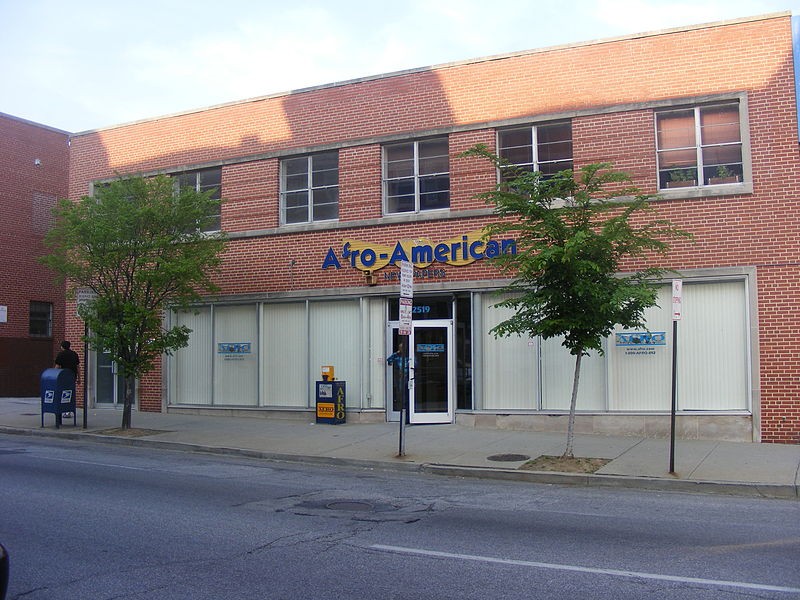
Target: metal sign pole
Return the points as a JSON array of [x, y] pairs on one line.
[[84, 296], [677, 298], [85, 375], [405, 330], [404, 403]]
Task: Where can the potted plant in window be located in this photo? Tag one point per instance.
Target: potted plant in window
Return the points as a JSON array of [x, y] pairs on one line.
[[724, 175], [682, 178]]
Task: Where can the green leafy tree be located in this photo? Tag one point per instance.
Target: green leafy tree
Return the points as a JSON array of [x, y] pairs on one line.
[[573, 232], [139, 245]]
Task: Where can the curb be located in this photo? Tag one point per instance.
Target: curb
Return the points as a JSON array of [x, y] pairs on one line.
[[729, 488]]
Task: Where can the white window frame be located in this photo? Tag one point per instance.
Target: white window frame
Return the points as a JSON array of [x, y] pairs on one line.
[[198, 187], [536, 163], [699, 180], [415, 178], [309, 188]]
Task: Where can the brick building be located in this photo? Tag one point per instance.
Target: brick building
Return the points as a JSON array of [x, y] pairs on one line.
[[327, 188], [33, 172]]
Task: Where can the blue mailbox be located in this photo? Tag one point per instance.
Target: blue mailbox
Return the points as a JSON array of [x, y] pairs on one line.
[[57, 390]]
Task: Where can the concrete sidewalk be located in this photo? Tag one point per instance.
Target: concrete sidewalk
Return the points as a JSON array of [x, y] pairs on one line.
[[770, 470]]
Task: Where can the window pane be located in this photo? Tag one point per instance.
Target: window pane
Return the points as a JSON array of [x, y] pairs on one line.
[[327, 177], [296, 215], [718, 155], [214, 224], [327, 160], [326, 204], [437, 164], [555, 151], [721, 174], [400, 204], [677, 158], [511, 138], [399, 152], [296, 207], [187, 180], [296, 199], [677, 177], [400, 196], [676, 130], [431, 148], [40, 318], [558, 132], [518, 156], [325, 169], [551, 168], [720, 124], [403, 168], [507, 173], [210, 178], [434, 201], [296, 182], [326, 212], [295, 166], [437, 183], [434, 192]]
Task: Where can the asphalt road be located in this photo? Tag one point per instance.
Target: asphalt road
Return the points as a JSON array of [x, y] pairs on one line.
[[86, 520]]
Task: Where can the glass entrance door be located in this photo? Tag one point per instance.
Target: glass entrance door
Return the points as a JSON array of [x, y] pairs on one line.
[[431, 372], [109, 384]]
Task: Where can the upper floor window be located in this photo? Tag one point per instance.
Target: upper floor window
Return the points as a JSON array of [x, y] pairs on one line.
[[203, 181], [416, 176], [544, 148], [310, 188], [699, 146], [40, 321]]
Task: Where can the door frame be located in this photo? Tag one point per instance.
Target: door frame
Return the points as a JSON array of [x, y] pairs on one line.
[[117, 384], [413, 417]]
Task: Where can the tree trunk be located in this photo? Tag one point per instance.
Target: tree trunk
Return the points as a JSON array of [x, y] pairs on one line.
[[568, 453], [126, 410]]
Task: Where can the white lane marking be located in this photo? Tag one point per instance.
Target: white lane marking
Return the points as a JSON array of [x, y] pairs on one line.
[[596, 571], [96, 464]]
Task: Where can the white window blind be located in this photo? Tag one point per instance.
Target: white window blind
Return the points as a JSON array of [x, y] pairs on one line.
[[191, 371], [510, 375], [236, 363], [335, 335], [285, 350]]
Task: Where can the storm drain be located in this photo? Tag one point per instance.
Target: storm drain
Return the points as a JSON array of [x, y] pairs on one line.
[[508, 457]]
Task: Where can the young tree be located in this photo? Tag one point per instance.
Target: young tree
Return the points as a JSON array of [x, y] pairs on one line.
[[139, 245], [573, 231]]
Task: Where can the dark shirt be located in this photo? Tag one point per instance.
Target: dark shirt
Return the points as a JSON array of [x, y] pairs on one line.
[[68, 359]]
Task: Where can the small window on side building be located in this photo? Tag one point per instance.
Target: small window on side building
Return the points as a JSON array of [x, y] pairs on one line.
[[40, 323]]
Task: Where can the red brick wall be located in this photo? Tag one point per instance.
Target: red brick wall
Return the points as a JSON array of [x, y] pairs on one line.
[[27, 192], [606, 87]]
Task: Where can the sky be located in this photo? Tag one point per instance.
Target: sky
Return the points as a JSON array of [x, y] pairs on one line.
[[84, 64]]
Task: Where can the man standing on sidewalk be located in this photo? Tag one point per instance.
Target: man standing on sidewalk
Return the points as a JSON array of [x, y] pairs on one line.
[[68, 359]]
